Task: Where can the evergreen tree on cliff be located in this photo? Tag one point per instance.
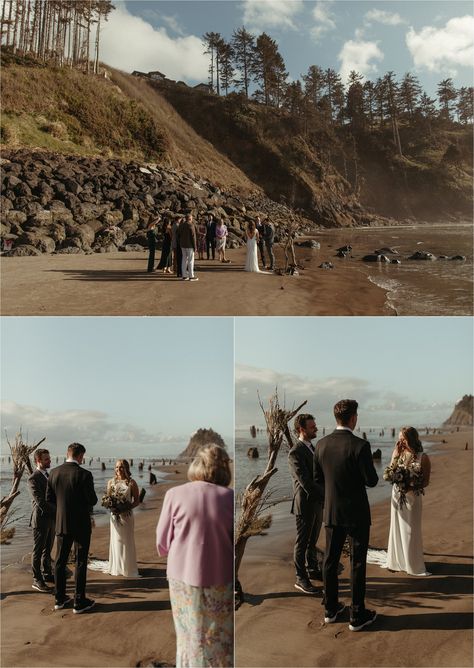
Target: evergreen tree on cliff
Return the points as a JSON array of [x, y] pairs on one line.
[[446, 96], [268, 71], [243, 45]]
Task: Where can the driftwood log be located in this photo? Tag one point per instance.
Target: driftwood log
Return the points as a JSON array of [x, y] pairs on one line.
[[252, 520], [20, 453]]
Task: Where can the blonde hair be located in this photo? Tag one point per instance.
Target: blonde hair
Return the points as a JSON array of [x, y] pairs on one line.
[[211, 464], [126, 468]]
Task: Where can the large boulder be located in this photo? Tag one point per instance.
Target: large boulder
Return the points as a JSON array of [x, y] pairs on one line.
[[201, 438]]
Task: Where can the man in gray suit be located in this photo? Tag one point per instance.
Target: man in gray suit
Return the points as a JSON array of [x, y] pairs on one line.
[[307, 504], [42, 522], [343, 463]]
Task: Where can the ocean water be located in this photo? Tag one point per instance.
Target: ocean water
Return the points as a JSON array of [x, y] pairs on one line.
[[280, 484], [439, 287], [22, 541]]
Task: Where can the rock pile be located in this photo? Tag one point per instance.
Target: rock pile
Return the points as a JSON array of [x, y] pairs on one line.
[[54, 203]]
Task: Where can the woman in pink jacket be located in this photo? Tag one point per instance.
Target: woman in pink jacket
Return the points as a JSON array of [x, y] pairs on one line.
[[195, 530]]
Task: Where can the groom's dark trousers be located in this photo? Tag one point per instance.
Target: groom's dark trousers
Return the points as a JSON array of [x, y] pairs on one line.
[[343, 463], [42, 521], [72, 489]]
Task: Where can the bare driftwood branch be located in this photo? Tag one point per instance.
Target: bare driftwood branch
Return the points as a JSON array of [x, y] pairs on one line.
[[255, 499], [20, 453]]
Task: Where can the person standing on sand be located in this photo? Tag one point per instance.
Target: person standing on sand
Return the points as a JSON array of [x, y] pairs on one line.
[[269, 238], [166, 260], [187, 241], [195, 531], [261, 243], [221, 238], [343, 464], [176, 248], [42, 522], [307, 504], [201, 240], [151, 233], [211, 237], [71, 489]]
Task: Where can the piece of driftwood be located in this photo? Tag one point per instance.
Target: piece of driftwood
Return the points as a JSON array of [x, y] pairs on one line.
[[253, 519], [20, 454]]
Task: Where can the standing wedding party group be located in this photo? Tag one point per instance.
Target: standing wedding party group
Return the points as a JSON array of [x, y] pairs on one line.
[[329, 485], [182, 240], [194, 531]]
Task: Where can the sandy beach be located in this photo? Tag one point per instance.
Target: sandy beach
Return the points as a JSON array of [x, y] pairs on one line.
[[421, 621], [139, 631]]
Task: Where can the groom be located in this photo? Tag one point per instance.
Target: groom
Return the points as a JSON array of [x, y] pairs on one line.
[[343, 463], [71, 489]]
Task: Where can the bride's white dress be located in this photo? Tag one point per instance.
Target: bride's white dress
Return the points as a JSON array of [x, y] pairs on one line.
[[122, 553], [405, 541], [251, 261]]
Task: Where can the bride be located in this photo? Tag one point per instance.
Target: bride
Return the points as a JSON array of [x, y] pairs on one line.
[[122, 553], [251, 262], [405, 542]]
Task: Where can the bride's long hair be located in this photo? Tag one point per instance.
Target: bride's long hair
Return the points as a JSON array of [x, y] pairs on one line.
[[411, 441], [126, 468]]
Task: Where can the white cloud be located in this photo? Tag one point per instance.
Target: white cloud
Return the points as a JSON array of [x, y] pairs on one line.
[[381, 16], [263, 15], [95, 429], [443, 49], [325, 21], [359, 55], [376, 407], [130, 43]]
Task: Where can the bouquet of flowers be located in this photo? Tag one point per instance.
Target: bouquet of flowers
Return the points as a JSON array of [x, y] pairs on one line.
[[115, 500], [407, 478]]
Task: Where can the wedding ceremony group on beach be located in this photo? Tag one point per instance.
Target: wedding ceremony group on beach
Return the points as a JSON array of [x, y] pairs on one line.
[[182, 240], [194, 531], [329, 489]]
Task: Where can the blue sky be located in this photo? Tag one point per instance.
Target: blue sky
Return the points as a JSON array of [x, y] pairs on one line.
[[113, 382], [433, 39], [401, 370]]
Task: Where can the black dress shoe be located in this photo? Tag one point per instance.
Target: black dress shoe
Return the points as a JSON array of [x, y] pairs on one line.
[[60, 603], [305, 586], [39, 585], [365, 619], [82, 606], [330, 617], [315, 574]]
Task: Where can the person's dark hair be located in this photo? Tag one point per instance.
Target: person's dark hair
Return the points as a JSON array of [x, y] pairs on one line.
[[39, 453], [344, 410], [75, 450], [251, 226], [211, 464], [411, 441], [301, 420]]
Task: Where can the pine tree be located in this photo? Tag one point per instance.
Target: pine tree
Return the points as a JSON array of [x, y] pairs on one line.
[[410, 91], [446, 95], [391, 90], [369, 101], [355, 111], [226, 68], [212, 40], [465, 107], [313, 84], [268, 71], [243, 45]]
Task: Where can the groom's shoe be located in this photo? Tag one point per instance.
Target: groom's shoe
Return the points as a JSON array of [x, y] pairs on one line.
[[39, 585], [60, 603], [330, 617], [82, 606], [304, 585], [315, 574], [366, 618]]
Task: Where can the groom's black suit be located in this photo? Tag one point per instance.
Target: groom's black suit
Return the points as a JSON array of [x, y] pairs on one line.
[[71, 488], [343, 463], [42, 522], [307, 506]]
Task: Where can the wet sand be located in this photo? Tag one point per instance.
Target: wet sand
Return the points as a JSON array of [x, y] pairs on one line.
[[421, 621], [130, 623]]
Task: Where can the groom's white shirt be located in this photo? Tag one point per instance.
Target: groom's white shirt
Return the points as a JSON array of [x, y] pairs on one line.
[[70, 459], [343, 428]]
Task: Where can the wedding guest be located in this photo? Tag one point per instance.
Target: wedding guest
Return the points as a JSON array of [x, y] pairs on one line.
[[187, 240], [122, 552], [269, 238], [343, 464], [211, 237], [201, 240], [42, 521], [307, 504], [71, 489], [151, 234], [195, 530], [261, 243], [221, 236], [166, 260], [176, 248], [405, 542]]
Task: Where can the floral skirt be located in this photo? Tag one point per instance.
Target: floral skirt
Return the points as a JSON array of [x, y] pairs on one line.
[[204, 623]]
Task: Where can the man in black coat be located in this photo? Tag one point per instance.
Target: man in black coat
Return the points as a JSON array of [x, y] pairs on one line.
[[151, 235], [343, 463], [307, 505], [42, 522], [211, 237], [261, 243], [269, 238], [71, 488]]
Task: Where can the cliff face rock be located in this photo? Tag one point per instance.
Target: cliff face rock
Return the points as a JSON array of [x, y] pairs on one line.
[[54, 203], [201, 438], [463, 413]]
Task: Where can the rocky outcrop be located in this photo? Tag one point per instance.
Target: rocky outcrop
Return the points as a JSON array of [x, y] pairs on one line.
[[462, 415], [53, 203], [201, 438]]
